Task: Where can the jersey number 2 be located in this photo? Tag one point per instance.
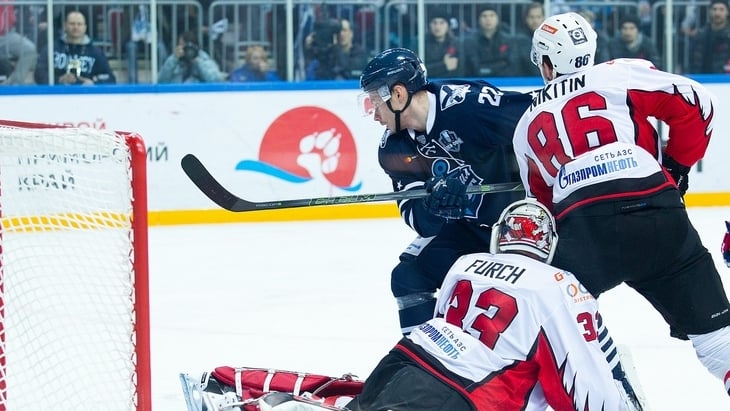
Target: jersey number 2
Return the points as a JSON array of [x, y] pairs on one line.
[[499, 310]]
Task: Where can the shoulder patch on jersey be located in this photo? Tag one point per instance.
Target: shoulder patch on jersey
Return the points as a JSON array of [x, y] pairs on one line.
[[452, 94]]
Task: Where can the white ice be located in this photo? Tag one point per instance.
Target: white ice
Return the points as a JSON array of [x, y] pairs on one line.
[[315, 296]]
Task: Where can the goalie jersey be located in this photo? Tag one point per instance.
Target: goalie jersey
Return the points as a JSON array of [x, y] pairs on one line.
[[512, 333]]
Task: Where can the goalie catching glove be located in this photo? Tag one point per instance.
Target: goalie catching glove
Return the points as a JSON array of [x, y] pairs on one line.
[[679, 172], [726, 245], [446, 197]]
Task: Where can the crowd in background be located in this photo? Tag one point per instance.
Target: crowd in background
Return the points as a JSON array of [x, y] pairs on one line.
[[209, 41]]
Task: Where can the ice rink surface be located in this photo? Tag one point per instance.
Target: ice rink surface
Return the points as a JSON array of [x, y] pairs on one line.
[[315, 297]]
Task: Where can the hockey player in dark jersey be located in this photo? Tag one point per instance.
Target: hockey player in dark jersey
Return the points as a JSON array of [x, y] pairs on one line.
[[441, 136]]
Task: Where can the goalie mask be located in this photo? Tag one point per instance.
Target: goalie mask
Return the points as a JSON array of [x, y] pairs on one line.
[[525, 226], [568, 40]]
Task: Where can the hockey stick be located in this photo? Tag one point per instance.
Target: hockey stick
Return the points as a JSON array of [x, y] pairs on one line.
[[202, 178]]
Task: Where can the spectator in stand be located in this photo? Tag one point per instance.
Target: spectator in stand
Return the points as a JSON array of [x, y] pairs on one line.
[[603, 40], [76, 61], [645, 19], [631, 43], [139, 41], [492, 53], [18, 56], [332, 53], [255, 69], [189, 64], [532, 18], [711, 45], [442, 48]]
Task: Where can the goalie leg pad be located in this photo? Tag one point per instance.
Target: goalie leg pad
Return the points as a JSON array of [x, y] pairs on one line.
[[206, 394], [279, 401]]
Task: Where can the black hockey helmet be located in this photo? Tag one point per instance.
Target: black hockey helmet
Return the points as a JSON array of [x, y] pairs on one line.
[[393, 66]]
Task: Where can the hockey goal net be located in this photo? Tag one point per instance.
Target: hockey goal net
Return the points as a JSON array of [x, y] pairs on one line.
[[74, 305]]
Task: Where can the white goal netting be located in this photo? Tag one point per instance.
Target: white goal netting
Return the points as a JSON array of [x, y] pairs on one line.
[[74, 328]]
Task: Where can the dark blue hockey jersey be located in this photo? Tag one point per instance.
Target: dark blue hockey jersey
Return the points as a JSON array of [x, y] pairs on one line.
[[469, 132]]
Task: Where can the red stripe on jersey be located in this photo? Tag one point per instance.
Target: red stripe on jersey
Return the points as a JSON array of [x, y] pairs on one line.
[[551, 378], [539, 188], [689, 131], [615, 196], [509, 389]]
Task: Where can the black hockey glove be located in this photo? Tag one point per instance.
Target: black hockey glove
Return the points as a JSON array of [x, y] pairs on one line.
[[446, 197], [679, 172], [726, 245]]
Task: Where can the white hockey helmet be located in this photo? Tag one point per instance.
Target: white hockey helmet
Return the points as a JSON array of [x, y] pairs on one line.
[[568, 40], [525, 226]]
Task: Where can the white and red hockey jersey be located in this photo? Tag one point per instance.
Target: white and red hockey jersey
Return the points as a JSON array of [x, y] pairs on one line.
[[512, 333], [583, 131]]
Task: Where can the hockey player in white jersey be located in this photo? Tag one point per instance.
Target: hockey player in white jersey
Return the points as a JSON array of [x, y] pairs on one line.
[[510, 333], [588, 149]]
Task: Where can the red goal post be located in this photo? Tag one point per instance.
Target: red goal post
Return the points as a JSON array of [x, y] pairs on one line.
[[74, 294]]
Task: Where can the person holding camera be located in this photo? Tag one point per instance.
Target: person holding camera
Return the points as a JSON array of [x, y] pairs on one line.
[[76, 61], [331, 52], [189, 64]]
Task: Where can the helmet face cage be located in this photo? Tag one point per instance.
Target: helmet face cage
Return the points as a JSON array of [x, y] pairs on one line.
[[568, 40], [369, 101], [525, 226]]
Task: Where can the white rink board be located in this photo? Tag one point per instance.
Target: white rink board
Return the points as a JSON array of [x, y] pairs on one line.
[[315, 297], [225, 127]]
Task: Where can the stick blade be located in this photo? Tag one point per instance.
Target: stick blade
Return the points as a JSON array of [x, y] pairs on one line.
[[202, 178]]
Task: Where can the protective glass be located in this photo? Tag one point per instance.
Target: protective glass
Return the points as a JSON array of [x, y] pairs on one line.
[[370, 101]]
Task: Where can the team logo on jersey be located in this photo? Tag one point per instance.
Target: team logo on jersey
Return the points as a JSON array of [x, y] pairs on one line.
[[578, 36], [307, 144], [578, 292], [449, 141], [446, 167], [452, 94]]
